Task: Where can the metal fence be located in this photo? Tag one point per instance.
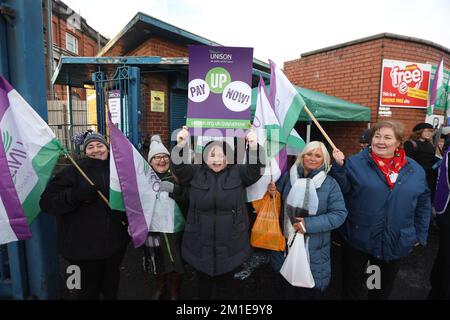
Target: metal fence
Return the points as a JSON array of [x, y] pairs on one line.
[[64, 122]]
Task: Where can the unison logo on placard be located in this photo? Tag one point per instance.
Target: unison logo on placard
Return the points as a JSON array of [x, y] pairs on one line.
[[218, 56]]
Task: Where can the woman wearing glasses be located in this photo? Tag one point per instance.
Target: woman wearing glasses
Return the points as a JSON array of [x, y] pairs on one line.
[[163, 250]]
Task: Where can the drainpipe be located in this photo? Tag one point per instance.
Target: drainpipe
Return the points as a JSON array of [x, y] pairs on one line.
[[69, 118], [48, 6]]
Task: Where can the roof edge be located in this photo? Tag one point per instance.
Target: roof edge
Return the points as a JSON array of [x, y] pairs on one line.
[[57, 12], [130, 60], [376, 37], [124, 30]]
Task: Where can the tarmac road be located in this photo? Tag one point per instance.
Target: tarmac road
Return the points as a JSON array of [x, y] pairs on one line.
[[412, 282]]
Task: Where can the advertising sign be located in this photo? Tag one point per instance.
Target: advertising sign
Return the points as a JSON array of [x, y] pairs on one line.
[[404, 84]]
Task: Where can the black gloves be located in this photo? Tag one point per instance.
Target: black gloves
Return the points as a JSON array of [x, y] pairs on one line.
[[84, 193], [120, 217]]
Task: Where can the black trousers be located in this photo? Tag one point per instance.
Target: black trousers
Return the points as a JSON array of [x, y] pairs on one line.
[[440, 274], [99, 277], [221, 287], [355, 277]]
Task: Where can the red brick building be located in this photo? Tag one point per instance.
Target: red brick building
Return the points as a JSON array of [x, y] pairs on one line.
[[352, 71], [71, 36]]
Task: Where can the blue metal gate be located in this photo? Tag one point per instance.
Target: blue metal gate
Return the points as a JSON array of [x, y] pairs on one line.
[[123, 87]]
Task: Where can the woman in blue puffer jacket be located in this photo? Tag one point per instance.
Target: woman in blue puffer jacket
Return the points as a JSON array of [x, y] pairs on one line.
[[388, 203], [313, 163]]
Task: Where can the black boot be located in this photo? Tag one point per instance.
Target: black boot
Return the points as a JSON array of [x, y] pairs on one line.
[[160, 286], [175, 284]]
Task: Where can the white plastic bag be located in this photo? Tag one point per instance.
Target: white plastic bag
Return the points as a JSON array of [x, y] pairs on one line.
[[296, 269]]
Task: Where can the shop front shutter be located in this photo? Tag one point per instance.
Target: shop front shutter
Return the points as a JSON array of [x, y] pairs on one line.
[[178, 110]]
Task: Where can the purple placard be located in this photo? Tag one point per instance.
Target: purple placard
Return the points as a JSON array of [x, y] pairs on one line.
[[219, 91]]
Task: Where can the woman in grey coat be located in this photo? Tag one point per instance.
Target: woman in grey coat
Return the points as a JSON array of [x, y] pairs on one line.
[[313, 163]]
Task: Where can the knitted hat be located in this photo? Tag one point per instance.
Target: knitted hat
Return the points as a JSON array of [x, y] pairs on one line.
[[94, 136], [422, 125], [156, 147]]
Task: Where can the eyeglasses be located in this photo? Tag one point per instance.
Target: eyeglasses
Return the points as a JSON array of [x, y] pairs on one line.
[[159, 158]]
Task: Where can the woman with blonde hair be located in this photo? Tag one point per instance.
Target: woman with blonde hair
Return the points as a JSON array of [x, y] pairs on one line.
[[323, 210]]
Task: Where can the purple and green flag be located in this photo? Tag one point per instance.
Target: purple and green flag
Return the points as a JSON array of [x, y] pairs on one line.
[[134, 188], [29, 151]]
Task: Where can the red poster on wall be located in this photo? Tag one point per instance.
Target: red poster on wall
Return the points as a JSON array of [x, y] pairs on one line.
[[404, 84]]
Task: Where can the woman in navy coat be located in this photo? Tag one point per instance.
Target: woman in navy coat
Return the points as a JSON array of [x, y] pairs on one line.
[[388, 203]]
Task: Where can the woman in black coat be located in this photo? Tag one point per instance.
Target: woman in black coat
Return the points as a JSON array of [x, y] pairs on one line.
[[216, 234], [90, 234], [421, 148]]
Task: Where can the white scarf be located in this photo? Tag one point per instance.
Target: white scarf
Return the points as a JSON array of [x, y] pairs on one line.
[[303, 194]]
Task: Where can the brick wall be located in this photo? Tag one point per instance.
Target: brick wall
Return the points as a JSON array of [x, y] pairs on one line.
[[353, 73], [160, 47], [155, 122], [153, 46]]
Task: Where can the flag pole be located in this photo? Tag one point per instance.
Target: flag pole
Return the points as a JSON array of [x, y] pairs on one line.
[[87, 179], [320, 127], [271, 180]]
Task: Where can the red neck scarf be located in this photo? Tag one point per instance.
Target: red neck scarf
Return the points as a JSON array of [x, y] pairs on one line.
[[390, 167]]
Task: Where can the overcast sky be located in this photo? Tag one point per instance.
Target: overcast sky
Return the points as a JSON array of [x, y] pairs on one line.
[[279, 29]]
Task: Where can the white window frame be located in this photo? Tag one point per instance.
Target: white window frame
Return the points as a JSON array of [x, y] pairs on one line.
[[55, 64], [71, 43]]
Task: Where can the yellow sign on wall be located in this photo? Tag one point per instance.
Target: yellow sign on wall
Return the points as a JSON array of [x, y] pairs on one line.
[[157, 101], [91, 109]]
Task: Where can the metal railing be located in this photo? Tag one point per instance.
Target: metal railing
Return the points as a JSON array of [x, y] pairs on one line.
[[64, 122]]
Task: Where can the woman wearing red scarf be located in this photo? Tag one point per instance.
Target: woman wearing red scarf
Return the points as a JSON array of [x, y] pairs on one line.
[[388, 203]]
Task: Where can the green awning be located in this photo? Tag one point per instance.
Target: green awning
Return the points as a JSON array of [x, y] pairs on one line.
[[325, 107]]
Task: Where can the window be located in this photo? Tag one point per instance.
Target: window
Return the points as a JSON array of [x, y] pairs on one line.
[[71, 43], [54, 33]]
